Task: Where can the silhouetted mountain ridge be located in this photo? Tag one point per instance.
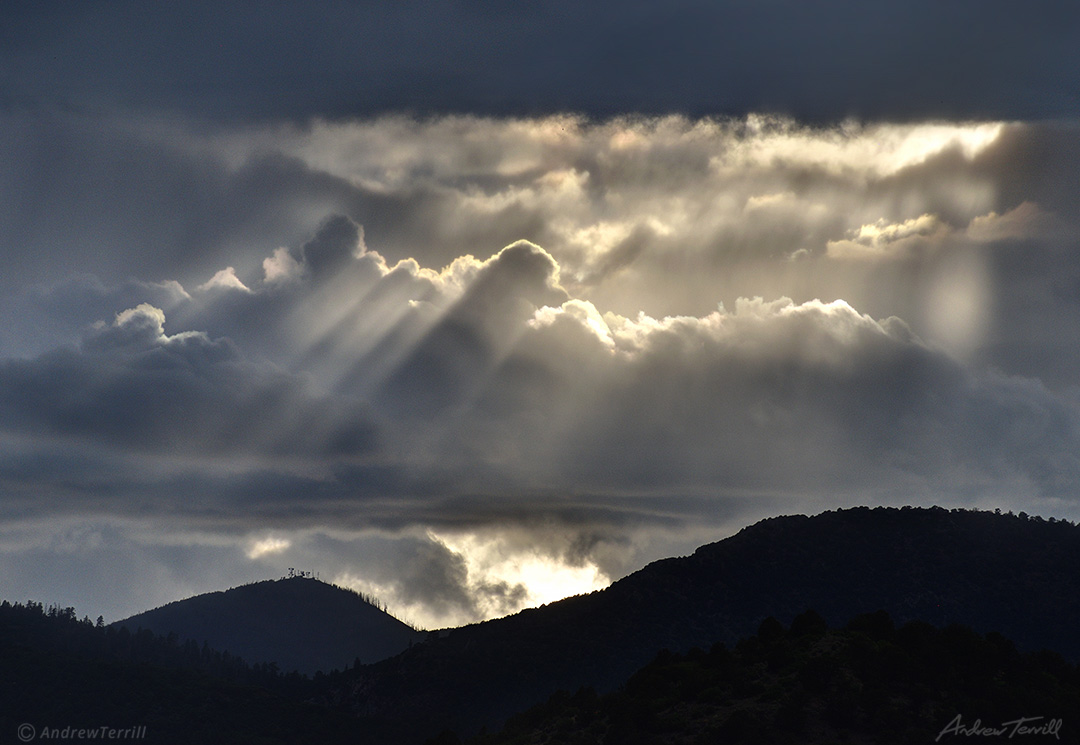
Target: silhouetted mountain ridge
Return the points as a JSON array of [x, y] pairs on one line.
[[868, 682], [61, 673], [1015, 575], [299, 623]]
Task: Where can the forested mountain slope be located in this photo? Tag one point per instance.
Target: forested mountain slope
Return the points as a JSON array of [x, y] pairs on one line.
[[1015, 575], [299, 623]]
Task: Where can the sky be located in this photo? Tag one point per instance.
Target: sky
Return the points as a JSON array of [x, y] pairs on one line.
[[473, 306]]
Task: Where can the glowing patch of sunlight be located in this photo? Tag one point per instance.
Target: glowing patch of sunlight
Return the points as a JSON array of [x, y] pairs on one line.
[[883, 239], [142, 310], [597, 240], [267, 546], [880, 150], [224, 279], [281, 267], [389, 152], [547, 581], [491, 560], [564, 185], [929, 139], [884, 232], [627, 139], [768, 200], [958, 302], [548, 130], [551, 131], [560, 189], [581, 311]]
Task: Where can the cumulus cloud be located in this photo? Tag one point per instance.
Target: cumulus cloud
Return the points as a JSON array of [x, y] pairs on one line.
[[280, 267], [1024, 221], [132, 385], [338, 240], [764, 398], [224, 279], [662, 214], [460, 351], [41, 317], [880, 239], [927, 232], [505, 355]]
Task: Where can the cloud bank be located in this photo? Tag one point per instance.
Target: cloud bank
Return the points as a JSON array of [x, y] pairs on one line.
[[464, 362], [910, 60]]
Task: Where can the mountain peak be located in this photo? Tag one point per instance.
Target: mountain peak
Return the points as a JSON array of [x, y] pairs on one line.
[[299, 622]]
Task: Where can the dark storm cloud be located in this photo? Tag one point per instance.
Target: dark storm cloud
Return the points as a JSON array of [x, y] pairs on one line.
[[894, 219], [123, 198], [565, 431], [43, 317], [338, 241], [519, 396], [957, 58], [115, 201], [138, 389], [248, 334]]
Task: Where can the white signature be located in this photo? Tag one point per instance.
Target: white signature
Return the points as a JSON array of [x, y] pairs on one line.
[[1021, 726]]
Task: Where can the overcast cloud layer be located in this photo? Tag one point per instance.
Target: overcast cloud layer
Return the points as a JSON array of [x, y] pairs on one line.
[[337, 58], [257, 313]]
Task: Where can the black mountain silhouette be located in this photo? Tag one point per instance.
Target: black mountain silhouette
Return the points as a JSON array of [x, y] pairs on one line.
[[868, 682], [66, 679], [1015, 575], [299, 623]]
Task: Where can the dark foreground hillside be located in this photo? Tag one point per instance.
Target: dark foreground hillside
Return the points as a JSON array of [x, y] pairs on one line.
[[923, 568], [298, 623], [60, 676], [1015, 575], [869, 682]]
